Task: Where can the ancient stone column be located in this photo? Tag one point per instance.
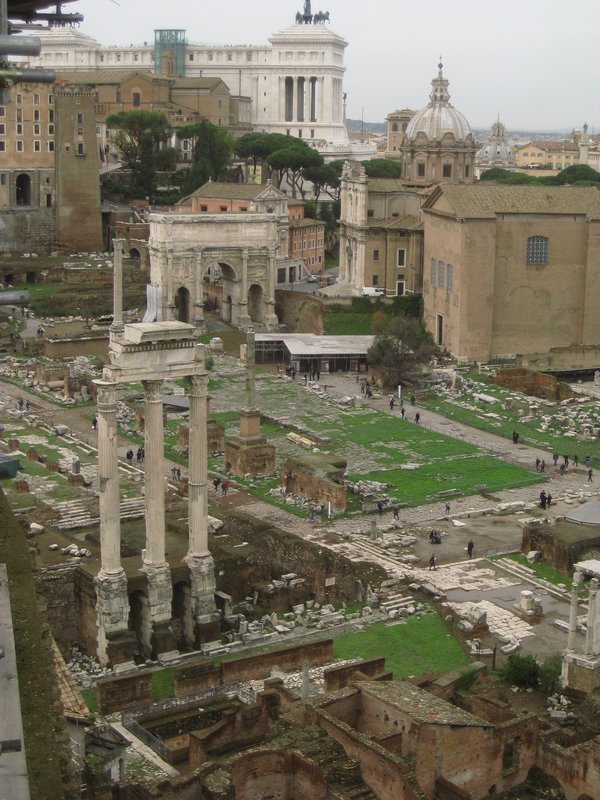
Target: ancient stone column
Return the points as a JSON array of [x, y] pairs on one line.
[[271, 321], [198, 312], [205, 618], [593, 620], [244, 317], [577, 578], [117, 323], [108, 478], [154, 470], [112, 602], [198, 469]]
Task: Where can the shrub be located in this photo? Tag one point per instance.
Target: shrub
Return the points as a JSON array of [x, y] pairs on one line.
[[464, 682], [522, 671], [549, 674]]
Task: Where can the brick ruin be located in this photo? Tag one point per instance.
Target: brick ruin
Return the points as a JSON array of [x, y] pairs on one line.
[[318, 477], [537, 384]]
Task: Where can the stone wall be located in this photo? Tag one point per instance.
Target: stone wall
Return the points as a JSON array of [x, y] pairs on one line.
[[338, 677], [316, 477], [126, 691], [299, 312], [203, 674], [562, 358], [534, 383], [93, 345], [28, 231], [555, 550], [59, 593]]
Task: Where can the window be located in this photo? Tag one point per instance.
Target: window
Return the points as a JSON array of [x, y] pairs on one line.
[[36, 129], [370, 213], [36, 115], [375, 255], [50, 147], [191, 57], [210, 56], [48, 201], [449, 278], [80, 149], [19, 99], [136, 99], [229, 56], [50, 100], [375, 281], [433, 272], [2, 111], [36, 99], [401, 258], [467, 171], [421, 169], [118, 56], [3, 179], [19, 147], [203, 208], [136, 57], [37, 146], [19, 115], [222, 208], [400, 287], [51, 115], [2, 129], [537, 250], [2, 148], [19, 129], [441, 274], [447, 171], [23, 188], [395, 127], [50, 130], [80, 119]]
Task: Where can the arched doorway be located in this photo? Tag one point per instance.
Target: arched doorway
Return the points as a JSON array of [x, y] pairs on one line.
[[139, 622], [230, 285], [182, 304], [181, 615], [23, 190], [256, 304], [134, 254]]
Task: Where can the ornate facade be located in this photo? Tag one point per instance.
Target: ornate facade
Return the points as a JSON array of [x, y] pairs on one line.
[[438, 145], [498, 151]]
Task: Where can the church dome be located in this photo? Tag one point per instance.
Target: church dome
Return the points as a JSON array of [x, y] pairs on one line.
[[439, 116], [498, 149]]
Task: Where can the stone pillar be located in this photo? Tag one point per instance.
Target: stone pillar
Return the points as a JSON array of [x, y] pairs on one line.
[[198, 310], [271, 321], [243, 316], [114, 641], [117, 323], [592, 643], [158, 637], [205, 617], [577, 578]]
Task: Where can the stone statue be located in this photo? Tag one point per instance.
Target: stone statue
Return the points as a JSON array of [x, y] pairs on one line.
[[298, 18], [307, 9]]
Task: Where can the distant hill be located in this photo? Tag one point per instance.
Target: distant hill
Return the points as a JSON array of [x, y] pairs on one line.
[[479, 133], [359, 125]]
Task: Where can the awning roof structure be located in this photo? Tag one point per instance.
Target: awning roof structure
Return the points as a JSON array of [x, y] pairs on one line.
[[587, 514], [309, 345]]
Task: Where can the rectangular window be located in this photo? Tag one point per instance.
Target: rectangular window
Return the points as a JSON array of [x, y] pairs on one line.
[[51, 115], [449, 278], [19, 147], [537, 250], [447, 170], [19, 129], [222, 208], [36, 129], [36, 115], [229, 56], [3, 179], [48, 201], [2, 129], [441, 274], [50, 147], [50, 99], [19, 116], [370, 213], [136, 57], [80, 149], [400, 287], [80, 119], [203, 208], [2, 148], [375, 281], [19, 99], [401, 258], [421, 170], [37, 146], [50, 130], [433, 272], [2, 111]]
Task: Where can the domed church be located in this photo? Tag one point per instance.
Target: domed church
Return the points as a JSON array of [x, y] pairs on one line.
[[438, 145]]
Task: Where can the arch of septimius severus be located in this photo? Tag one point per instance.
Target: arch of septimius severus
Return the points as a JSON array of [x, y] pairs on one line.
[[150, 353]]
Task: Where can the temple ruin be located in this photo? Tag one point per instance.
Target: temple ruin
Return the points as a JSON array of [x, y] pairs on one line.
[[150, 353]]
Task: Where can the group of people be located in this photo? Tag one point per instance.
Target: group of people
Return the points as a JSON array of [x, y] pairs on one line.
[[217, 482], [381, 507], [545, 499], [176, 474], [23, 405], [140, 455]]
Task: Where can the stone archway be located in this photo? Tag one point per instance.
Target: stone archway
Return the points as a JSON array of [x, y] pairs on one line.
[[181, 614], [256, 304], [182, 304], [231, 290], [23, 190], [139, 621]]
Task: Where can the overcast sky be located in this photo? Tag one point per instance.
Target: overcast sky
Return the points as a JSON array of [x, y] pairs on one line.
[[536, 64]]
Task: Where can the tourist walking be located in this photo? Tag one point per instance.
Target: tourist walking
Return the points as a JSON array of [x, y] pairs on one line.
[[95, 424], [226, 485], [543, 499], [555, 458], [129, 456], [216, 483], [432, 562], [418, 418], [470, 547], [542, 466], [548, 499], [402, 411], [396, 514], [447, 508], [576, 460], [392, 403], [538, 461], [590, 473]]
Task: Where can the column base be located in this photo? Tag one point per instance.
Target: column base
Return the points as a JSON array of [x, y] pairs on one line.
[[115, 642], [206, 619], [271, 322], [159, 636]]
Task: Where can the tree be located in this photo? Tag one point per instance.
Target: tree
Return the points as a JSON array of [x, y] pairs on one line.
[[290, 163], [522, 670], [140, 136], [324, 178], [258, 146], [382, 168], [401, 346], [212, 148]]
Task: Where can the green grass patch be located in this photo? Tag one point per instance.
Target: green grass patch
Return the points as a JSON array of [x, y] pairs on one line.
[[89, 698], [541, 569], [162, 684], [421, 645]]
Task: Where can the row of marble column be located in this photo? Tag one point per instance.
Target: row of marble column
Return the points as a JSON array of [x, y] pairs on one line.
[[301, 100], [154, 466]]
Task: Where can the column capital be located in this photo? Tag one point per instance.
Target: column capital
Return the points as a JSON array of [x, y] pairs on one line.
[[153, 390], [197, 384]]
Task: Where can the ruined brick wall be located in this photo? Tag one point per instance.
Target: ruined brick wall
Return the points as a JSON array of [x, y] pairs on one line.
[[577, 768], [274, 773], [299, 312], [561, 555], [29, 231], [533, 383], [304, 480], [338, 677], [58, 584], [287, 659], [126, 691]]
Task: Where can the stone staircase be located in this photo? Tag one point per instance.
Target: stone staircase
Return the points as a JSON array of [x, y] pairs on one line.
[[77, 513], [396, 602]]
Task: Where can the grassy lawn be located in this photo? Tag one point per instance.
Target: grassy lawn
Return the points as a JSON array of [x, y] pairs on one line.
[[542, 570], [162, 684], [347, 322], [421, 645]]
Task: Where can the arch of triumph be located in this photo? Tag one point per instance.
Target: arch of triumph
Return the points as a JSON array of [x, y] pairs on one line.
[[150, 353]]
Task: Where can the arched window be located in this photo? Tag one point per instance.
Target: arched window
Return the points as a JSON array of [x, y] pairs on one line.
[[395, 127], [23, 190], [537, 250], [136, 99]]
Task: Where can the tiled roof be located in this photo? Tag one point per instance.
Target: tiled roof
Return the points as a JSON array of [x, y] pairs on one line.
[[306, 222], [485, 200], [388, 185], [73, 704], [422, 706], [216, 190], [97, 77], [550, 144]]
